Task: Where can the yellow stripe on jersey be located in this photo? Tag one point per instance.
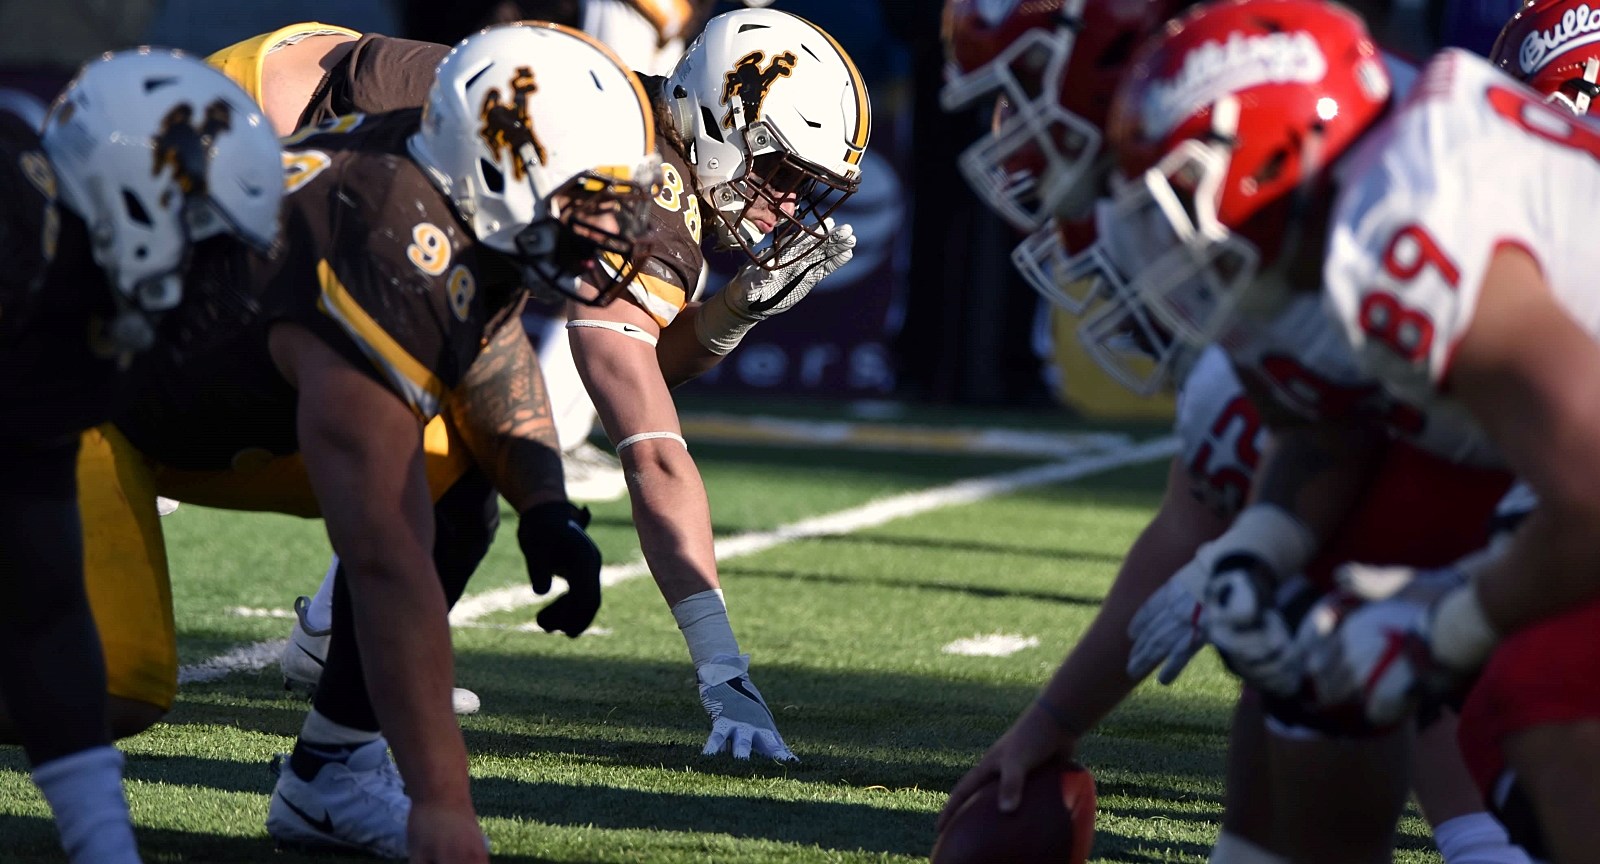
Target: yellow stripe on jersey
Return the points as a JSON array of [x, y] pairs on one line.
[[422, 390], [662, 299], [242, 61]]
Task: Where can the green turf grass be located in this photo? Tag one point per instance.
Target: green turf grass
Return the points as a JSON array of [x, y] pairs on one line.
[[587, 750]]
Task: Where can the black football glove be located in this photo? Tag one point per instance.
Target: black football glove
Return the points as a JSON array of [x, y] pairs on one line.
[[554, 544]]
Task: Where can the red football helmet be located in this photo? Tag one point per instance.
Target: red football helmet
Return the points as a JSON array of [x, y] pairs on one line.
[[1224, 130], [1054, 63], [1553, 45]]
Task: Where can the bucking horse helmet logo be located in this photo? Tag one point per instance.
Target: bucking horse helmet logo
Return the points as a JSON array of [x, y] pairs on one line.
[[749, 83], [507, 127], [185, 147]]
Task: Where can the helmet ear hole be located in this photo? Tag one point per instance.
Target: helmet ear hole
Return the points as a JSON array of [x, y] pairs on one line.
[[713, 126], [135, 208], [493, 179]]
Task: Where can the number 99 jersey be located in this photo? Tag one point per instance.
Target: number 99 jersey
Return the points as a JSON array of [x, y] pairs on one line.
[[1471, 162]]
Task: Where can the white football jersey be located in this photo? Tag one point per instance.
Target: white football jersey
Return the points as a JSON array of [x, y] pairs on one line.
[[1471, 161], [1221, 433]]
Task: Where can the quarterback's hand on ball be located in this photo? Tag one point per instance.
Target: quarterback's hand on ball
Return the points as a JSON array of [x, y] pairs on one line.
[[1380, 652], [741, 722], [757, 293], [554, 543], [1166, 631], [1242, 620]]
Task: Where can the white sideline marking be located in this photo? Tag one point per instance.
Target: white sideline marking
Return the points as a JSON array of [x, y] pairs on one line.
[[247, 658], [760, 429], [992, 645], [469, 609], [255, 612]]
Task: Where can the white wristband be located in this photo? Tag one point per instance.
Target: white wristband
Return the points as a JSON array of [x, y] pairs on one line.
[[1462, 636], [718, 327], [650, 436], [1272, 534]]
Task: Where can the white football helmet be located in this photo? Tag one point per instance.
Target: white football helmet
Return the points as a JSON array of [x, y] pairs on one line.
[[770, 108], [157, 151], [522, 113]]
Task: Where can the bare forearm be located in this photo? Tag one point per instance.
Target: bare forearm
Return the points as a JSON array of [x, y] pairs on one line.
[[409, 670], [672, 516], [1552, 564], [1316, 472], [1093, 679], [502, 411], [680, 353]]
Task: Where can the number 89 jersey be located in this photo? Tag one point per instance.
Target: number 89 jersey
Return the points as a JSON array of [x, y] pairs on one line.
[[1471, 162]]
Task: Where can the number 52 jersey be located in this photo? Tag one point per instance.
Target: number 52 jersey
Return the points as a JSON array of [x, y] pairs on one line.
[[1471, 162]]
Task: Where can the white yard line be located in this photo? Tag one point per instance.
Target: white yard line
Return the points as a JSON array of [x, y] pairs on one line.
[[991, 645], [870, 515]]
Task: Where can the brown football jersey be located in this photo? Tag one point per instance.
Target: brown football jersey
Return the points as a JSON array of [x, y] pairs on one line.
[[56, 378], [667, 280], [380, 74], [373, 261]]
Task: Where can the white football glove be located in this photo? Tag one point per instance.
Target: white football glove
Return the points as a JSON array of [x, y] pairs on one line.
[[1386, 653], [1172, 624], [1242, 620], [740, 719], [756, 294], [1167, 628]]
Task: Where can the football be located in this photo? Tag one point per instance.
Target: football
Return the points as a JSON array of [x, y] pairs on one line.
[[1054, 822]]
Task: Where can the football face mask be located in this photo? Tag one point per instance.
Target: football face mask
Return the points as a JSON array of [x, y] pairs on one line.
[[1171, 275], [589, 248], [780, 195]]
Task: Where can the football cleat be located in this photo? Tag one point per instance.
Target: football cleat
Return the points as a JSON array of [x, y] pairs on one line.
[[307, 651], [304, 656], [592, 474], [358, 805]]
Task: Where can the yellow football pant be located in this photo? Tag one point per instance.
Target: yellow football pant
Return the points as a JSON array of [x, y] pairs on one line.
[[125, 557]]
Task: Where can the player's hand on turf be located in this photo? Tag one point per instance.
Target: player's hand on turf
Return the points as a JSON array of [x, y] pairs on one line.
[[1166, 630], [1242, 620], [741, 722], [1379, 652], [1034, 739], [757, 293], [439, 834], [554, 543]]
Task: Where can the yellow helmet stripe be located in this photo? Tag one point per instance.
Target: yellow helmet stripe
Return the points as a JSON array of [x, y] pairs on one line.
[[858, 139]]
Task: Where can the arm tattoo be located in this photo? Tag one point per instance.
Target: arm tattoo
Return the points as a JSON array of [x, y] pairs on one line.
[[502, 411]]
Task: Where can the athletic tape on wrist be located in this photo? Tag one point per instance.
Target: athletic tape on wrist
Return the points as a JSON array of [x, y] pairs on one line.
[[718, 326], [1272, 534], [646, 436], [627, 330]]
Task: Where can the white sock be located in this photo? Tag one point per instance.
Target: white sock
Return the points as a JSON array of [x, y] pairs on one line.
[[1476, 838], [319, 615], [320, 730], [1233, 849], [85, 793], [703, 618]]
